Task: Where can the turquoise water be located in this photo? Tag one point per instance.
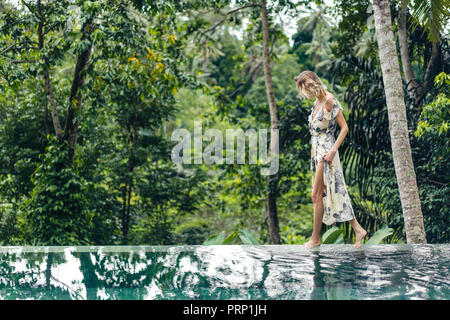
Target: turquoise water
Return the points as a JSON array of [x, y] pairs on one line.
[[226, 272]]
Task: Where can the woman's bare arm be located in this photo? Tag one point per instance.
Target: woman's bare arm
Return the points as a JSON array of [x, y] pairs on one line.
[[344, 130]]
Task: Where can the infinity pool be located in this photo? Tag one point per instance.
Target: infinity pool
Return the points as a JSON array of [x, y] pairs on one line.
[[226, 272]]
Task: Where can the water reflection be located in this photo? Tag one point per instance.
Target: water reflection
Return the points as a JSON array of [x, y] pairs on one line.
[[225, 272]]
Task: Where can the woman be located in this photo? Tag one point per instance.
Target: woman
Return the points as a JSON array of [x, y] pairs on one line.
[[329, 193]]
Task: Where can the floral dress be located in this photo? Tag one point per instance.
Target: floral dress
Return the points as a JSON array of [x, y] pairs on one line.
[[336, 201]]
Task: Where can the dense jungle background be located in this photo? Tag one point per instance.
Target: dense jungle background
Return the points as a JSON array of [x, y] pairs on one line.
[[91, 92]]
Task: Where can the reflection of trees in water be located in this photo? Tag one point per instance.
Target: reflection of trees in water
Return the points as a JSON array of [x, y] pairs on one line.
[[416, 263], [226, 280], [124, 275], [318, 292], [172, 275], [133, 274], [35, 281], [397, 274], [261, 291], [202, 274], [217, 289], [336, 278]]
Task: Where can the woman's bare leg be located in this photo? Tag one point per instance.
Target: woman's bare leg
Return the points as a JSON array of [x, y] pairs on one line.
[[316, 196], [360, 233]]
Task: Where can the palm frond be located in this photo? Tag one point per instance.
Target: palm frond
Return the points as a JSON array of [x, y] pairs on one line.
[[432, 15]]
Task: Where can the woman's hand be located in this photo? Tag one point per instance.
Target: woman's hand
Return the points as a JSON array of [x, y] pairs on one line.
[[328, 157]]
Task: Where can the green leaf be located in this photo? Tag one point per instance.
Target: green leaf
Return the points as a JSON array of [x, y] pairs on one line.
[[248, 238], [215, 239], [430, 15], [339, 240], [230, 238], [331, 235], [379, 236]]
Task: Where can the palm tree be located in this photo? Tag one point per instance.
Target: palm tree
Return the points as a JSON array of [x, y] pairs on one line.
[[364, 45], [398, 126], [311, 22], [319, 48], [431, 16]]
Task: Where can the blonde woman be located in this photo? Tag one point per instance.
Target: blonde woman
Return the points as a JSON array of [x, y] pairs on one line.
[[329, 192]]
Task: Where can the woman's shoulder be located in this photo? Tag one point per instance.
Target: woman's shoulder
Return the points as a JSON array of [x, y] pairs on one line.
[[329, 103]]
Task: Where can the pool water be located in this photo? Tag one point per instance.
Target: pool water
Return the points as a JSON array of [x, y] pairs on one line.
[[226, 272]]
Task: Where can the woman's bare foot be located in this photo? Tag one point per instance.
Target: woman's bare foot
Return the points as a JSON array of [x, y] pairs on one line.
[[312, 244], [359, 235]]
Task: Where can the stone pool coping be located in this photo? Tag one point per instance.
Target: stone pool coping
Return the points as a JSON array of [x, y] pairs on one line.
[[183, 248]]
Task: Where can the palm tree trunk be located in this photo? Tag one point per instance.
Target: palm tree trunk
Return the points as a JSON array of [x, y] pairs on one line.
[[271, 206], [412, 84], [398, 127], [416, 90]]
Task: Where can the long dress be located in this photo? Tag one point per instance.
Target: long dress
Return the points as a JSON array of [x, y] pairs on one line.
[[336, 201]]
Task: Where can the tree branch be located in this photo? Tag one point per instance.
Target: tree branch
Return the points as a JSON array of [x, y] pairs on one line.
[[438, 182], [226, 16], [28, 6], [8, 48], [427, 77], [11, 47], [434, 54], [12, 24], [51, 27], [249, 78], [71, 127], [408, 72], [24, 61], [47, 82], [416, 90]]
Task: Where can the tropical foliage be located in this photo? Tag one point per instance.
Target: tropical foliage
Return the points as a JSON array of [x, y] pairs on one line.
[[91, 92]]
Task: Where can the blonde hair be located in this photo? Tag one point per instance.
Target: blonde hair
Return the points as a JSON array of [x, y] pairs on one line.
[[309, 85]]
